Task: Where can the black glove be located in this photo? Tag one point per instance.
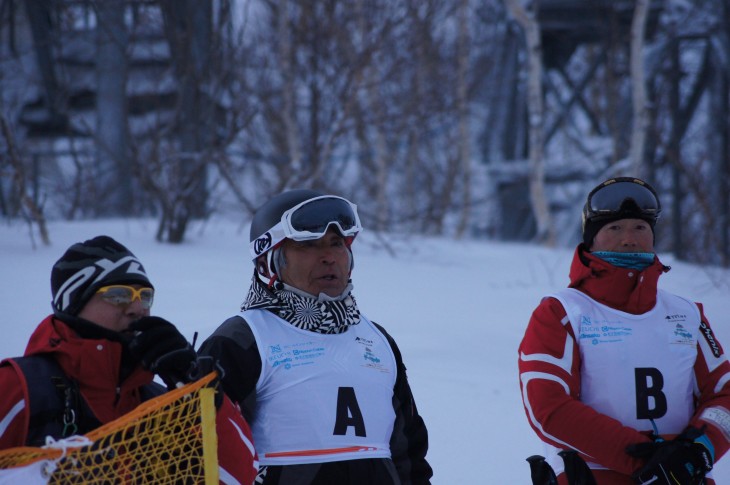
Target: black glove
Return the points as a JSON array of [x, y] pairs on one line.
[[204, 365], [682, 461], [163, 350]]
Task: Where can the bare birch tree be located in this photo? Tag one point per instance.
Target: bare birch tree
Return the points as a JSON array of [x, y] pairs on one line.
[[638, 89], [288, 93], [32, 211], [527, 18], [379, 158]]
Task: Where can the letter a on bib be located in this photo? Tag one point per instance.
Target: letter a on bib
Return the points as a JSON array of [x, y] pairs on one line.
[[348, 413]]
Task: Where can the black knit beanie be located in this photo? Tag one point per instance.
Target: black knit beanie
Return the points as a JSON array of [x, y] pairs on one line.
[[85, 267], [591, 227]]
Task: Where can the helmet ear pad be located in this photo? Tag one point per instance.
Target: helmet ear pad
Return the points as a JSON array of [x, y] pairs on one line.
[[264, 270], [262, 267], [268, 264]]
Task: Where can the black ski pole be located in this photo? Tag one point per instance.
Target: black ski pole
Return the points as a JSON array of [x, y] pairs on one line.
[[541, 471], [576, 470]]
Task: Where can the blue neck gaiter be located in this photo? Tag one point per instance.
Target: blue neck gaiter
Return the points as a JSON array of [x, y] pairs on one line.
[[637, 261]]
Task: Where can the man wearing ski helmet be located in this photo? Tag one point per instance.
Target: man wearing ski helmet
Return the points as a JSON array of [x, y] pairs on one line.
[[94, 359], [323, 387], [626, 374]]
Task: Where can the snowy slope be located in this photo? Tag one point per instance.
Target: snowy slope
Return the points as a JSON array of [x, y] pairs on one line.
[[457, 309]]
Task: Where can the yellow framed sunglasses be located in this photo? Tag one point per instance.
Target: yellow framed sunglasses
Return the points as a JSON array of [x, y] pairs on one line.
[[123, 295]]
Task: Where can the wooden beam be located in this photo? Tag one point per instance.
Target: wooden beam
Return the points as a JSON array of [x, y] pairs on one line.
[[576, 95]]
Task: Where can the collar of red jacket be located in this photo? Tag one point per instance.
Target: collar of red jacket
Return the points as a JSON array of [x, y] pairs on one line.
[[624, 289], [93, 362]]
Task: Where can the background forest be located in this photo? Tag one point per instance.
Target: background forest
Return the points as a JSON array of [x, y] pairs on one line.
[[482, 119]]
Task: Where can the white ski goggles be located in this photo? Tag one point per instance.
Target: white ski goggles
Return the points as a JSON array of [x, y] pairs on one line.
[[310, 220]]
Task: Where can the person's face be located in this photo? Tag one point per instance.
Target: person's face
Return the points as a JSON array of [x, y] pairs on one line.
[[110, 316], [318, 266], [625, 236]]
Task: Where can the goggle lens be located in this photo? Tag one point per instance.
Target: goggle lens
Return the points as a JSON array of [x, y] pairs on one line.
[[313, 218], [610, 199], [123, 295]]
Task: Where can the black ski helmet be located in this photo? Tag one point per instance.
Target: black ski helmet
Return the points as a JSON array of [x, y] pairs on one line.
[[619, 198], [266, 217], [269, 214]]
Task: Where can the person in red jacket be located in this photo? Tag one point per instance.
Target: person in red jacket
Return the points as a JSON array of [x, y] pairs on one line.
[[94, 359], [627, 375]]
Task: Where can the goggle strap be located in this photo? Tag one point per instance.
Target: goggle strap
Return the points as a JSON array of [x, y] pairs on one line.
[[272, 280]]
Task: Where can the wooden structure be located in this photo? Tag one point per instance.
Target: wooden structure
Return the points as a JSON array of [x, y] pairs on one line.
[[102, 84], [566, 26], [687, 73], [64, 35]]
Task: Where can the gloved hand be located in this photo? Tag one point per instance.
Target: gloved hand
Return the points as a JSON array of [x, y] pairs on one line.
[[163, 350], [204, 365], [682, 461]]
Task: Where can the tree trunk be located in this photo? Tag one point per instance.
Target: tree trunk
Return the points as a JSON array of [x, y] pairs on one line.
[[289, 110], [638, 89], [113, 161], [502, 126], [380, 160], [527, 18], [462, 100], [673, 150], [719, 155], [39, 17], [34, 212], [188, 25]]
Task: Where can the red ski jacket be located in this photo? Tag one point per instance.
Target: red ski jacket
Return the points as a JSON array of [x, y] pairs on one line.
[[94, 364], [552, 393]]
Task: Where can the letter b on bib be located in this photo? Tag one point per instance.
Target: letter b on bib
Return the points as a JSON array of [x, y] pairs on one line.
[[651, 402]]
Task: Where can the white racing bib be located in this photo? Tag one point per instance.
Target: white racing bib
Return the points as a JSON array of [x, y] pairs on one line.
[[321, 398], [637, 368]]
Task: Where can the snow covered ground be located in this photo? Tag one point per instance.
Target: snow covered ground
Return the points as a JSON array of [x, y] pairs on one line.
[[458, 310]]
